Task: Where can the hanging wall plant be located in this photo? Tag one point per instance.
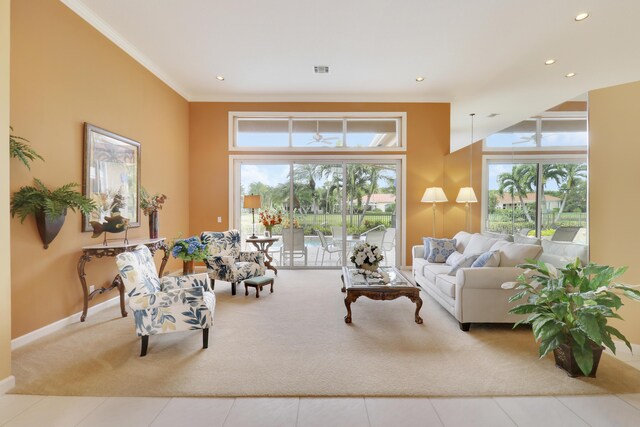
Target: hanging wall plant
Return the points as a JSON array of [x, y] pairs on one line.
[[49, 207], [19, 149]]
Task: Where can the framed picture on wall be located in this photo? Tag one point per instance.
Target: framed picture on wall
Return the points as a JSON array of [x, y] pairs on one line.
[[111, 175]]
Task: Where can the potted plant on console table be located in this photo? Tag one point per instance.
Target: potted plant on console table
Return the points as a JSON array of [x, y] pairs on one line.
[[569, 308]]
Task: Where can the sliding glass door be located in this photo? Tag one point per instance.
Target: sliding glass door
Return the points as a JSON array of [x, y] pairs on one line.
[[319, 209]]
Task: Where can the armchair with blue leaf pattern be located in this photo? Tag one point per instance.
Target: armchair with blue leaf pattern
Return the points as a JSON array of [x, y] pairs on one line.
[[165, 304], [226, 261]]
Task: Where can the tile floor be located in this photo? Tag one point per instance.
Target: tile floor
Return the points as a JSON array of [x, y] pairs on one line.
[[535, 411], [603, 410]]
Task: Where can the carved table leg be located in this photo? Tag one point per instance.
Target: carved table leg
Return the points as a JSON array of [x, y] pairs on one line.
[[117, 281], [343, 285], [347, 303], [418, 302], [268, 258], [165, 258], [83, 282]]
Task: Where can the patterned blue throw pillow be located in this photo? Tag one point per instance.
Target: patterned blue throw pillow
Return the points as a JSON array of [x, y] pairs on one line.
[[440, 249], [487, 259]]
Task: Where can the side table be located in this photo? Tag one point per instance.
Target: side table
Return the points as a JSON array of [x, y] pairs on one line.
[[112, 249], [263, 244]]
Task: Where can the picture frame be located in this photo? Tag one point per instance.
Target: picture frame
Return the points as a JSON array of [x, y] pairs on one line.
[[111, 168]]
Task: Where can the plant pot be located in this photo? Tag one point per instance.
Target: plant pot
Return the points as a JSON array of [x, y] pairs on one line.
[[154, 226], [49, 227], [188, 267], [566, 361]]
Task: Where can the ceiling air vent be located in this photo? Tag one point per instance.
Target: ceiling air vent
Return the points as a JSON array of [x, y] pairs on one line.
[[321, 69]]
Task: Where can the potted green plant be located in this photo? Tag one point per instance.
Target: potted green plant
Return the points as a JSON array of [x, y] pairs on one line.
[[568, 310], [19, 149], [49, 207]]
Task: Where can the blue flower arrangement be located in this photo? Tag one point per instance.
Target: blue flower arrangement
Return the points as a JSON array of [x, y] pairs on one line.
[[191, 249]]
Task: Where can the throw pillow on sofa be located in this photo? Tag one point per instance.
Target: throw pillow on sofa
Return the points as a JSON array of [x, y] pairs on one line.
[[512, 254], [465, 262], [427, 247], [440, 249], [479, 244], [454, 258], [487, 259]]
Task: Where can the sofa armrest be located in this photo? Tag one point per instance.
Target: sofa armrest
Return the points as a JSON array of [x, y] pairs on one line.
[[486, 277], [417, 251]]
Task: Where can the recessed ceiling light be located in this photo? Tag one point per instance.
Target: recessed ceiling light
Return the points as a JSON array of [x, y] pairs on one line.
[[582, 16], [419, 79], [570, 74], [221, 78], [549, 61]]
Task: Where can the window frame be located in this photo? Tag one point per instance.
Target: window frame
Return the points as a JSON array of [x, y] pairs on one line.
[[400, 117], [538, 159]]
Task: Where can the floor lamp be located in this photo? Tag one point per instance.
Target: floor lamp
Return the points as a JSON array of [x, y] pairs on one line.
[[434, 195], [252, 202], [466, 195]]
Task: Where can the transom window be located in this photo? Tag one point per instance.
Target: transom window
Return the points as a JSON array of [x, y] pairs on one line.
[[317, 131], [549, 132]]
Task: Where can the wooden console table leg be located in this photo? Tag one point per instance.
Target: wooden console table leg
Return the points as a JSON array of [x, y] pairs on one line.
[[117, 281], [83, 282], [165, 258]]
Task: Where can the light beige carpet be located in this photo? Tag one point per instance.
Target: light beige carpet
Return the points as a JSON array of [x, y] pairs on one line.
[[294, 342]]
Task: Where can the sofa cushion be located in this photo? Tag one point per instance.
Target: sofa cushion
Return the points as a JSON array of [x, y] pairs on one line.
[[487, 259], [462, 240], [512, 254], [440, 249], [430, 271], [559, 254], [446, 284], [454, 258], [464, 262], [499, 236], [479, 244]]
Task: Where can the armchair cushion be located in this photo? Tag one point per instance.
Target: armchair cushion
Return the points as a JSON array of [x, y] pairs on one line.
[[138, 271], [168, 283]]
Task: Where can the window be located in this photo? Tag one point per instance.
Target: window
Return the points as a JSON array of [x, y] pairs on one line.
[[317, 131], [549, 132], [535, 196]]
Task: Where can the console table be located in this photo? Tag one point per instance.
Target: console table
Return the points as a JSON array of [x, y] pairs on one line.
[[111, 249]]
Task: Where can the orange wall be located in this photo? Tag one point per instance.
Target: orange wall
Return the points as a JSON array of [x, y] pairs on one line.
[[63, 73], [427, 144], [5, 253], [456, 175], [614, 175]]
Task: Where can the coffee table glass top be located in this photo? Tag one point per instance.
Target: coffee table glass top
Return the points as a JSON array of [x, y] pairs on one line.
[[354, 279]]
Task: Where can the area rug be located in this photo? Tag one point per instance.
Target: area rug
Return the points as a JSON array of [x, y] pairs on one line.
[[294, 342]]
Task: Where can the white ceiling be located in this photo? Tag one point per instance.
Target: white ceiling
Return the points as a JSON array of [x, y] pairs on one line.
[[482, 56]]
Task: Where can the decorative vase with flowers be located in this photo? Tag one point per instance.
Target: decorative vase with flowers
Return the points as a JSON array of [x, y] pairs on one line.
[[270, 219], [366, 256], [150, 205], [189, 250]]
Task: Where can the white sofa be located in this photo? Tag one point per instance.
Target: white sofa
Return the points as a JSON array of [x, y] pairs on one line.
[[475, 295]]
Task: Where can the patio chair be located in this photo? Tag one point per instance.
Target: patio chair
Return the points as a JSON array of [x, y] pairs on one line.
[[565, 234], [226, 261], [327, 247], [336, 234], [295, 248], [167, 304], [388, 242]]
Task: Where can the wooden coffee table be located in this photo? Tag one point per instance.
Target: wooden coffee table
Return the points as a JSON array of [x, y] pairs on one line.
[[356, 285]]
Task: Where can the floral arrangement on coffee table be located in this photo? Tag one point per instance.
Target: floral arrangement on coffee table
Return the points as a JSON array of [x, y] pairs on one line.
[[366, 255]]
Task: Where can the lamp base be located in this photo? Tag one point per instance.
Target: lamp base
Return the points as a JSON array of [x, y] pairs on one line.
[[253, 236]]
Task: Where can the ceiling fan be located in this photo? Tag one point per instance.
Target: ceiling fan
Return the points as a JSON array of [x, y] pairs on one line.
[[318, 138], [525, 139]]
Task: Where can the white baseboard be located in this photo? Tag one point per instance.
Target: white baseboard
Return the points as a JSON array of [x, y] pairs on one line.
[[7, 384], [56, 326]]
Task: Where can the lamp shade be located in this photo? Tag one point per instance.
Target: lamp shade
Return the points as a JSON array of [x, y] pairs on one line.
[[252, 201], [434, 195], [466, 195]]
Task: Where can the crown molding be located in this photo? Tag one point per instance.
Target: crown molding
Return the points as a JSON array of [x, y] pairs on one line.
[[105, 29]]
